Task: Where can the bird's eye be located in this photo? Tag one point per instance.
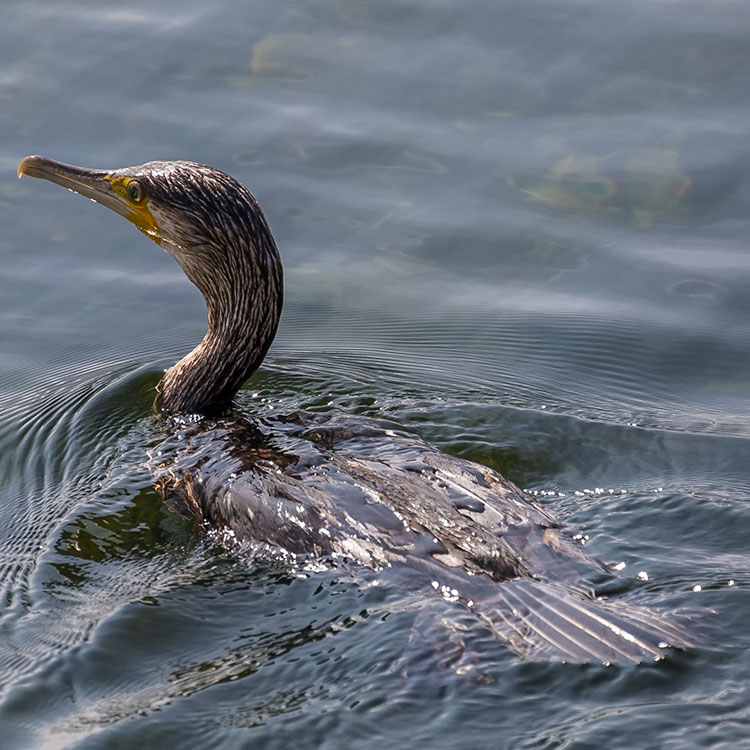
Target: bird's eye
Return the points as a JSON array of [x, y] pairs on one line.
[[135, 192]]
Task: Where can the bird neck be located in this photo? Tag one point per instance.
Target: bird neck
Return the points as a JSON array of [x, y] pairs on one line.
[[244, 295]]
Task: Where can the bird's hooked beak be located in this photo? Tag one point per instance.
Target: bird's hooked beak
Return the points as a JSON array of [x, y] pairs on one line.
[[120, 192]]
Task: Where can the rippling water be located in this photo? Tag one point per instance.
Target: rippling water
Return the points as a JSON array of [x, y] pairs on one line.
[[519, 230]]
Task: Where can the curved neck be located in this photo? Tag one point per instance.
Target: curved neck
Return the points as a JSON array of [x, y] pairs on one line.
[[243, 289]]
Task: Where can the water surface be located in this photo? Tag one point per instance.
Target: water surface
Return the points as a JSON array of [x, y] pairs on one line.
[[519, 230]]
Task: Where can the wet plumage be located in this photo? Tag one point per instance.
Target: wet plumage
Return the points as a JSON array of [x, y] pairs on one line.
[[339, 491]]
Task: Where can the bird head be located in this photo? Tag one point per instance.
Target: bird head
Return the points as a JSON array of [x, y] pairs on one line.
[[198, 214]]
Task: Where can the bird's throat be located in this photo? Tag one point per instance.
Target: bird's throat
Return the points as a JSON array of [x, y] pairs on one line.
[[243, 314]]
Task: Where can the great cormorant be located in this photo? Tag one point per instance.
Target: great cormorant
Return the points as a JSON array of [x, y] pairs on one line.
[[335, 490]]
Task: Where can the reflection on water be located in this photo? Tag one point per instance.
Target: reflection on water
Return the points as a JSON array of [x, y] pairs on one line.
[[518, 231]]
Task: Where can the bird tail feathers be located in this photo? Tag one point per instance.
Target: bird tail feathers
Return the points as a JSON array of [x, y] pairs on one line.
[[544, 621]]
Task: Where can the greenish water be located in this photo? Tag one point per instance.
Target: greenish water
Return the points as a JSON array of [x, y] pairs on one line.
[[519, 230]]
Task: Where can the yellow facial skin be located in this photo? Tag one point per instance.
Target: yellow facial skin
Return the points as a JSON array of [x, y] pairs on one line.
[[133, 194]]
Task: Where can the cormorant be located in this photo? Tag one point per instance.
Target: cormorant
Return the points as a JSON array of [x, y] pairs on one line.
[[334, 490]]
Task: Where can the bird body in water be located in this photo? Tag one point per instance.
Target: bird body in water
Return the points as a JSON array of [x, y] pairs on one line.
[[337, 490]]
